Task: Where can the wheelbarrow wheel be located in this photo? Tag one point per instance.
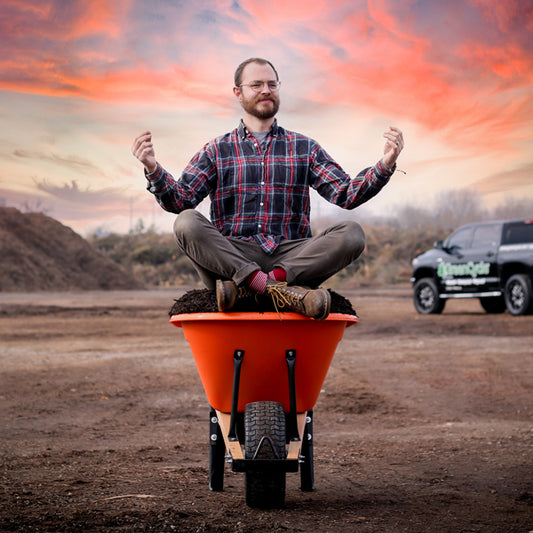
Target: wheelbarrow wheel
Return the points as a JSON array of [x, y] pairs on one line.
[[264, 428]]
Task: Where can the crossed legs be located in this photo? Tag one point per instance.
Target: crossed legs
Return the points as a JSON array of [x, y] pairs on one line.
[[307, 262]]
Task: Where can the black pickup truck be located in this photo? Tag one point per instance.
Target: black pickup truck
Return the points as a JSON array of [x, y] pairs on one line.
[[492, 261]]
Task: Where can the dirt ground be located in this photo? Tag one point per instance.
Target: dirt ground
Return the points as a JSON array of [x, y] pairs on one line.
[[424, 423]]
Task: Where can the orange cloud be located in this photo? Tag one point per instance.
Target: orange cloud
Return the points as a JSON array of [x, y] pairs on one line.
[[507, 60], [453, 86], [141, 85], [505, 181], [100, 16], [90, 50], [278, 13], [507, 13], [399, 59]]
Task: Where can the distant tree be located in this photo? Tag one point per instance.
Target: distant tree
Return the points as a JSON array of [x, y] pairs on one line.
[[35, 206], [409, 216], [392, 241], [139, 227], [513, 208], [457, 207]]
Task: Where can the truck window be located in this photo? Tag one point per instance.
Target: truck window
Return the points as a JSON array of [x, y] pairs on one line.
[[486, 236], [460, 239], [517, 233]]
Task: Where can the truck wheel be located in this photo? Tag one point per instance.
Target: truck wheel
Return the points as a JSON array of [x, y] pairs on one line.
[[493, 305], [426, 297], [264, 429], [518, 296]]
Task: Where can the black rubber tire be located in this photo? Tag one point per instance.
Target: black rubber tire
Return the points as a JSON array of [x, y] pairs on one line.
[[265, 489], [518, 295], [217, 454], [426, 297], [493, 305]]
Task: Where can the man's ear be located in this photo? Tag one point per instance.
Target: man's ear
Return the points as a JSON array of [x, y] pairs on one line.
[[237, 92]]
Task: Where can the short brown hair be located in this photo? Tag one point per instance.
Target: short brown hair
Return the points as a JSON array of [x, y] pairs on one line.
[[242, 66]]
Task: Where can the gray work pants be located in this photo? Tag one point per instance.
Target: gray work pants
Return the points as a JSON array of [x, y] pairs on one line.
[[307, 262]]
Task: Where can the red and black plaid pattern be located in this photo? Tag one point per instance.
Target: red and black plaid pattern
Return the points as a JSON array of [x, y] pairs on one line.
[[264, 194]]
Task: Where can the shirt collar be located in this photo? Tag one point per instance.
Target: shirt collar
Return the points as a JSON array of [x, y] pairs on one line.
[[243, 130]]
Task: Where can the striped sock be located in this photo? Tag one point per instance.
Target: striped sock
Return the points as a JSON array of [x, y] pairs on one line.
[[257, 281], [278, 274]]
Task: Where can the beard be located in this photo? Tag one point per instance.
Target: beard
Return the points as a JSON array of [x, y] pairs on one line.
[[252, 106]]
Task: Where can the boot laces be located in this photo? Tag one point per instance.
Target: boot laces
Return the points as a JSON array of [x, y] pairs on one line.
[[282, 298], [244, 292]]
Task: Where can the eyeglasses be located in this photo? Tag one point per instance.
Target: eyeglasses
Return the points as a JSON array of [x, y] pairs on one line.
[[257, 85]]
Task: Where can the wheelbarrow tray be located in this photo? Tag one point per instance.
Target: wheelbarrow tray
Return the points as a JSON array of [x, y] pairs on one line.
[[264, 338]]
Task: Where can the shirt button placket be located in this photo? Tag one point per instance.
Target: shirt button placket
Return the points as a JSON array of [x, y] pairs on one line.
[[262, 192]]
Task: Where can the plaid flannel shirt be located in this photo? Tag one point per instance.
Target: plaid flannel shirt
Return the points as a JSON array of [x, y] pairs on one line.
[[263, 194]]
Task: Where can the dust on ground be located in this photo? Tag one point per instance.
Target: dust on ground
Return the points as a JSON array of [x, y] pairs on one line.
[[424, 423]]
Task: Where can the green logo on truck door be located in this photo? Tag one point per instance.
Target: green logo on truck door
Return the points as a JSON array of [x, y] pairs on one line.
[[470, 269]]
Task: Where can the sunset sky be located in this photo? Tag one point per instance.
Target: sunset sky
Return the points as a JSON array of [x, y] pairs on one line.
[[80, 79]]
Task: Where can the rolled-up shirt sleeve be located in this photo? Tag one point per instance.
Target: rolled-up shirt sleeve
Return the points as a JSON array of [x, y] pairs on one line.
[[189, 190], [339, 188]]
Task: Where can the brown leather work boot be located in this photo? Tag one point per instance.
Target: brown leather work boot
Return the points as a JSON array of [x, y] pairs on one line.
[[228, 293], [314, 303]]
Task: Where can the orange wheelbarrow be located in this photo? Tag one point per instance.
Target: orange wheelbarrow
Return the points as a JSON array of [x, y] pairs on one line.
[[262, 374]]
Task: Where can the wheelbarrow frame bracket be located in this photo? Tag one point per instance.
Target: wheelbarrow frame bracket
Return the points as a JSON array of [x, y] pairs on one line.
[[264, 465], [237, 365], [292, 426]]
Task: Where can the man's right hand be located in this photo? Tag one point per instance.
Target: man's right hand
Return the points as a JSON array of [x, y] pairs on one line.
[[143, 150]]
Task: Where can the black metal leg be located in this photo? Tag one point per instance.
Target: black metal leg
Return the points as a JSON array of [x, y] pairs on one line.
[[217, 453], [307, 473], [237, 362], [292, 429]]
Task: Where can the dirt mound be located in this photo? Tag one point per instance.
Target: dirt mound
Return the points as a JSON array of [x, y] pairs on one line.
[[39, 253], [204, 301]]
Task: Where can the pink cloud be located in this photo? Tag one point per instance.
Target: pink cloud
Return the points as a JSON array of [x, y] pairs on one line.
[[171, 87], [395, 58], [453, 86], [507, 13], [278, 13], [100, 17], [505, 181], [506, 61]]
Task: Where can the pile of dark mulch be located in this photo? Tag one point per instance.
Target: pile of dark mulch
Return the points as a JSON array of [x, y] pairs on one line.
[[204, 301]]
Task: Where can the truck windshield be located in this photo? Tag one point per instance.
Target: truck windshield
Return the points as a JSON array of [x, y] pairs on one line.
[[517, 232]]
